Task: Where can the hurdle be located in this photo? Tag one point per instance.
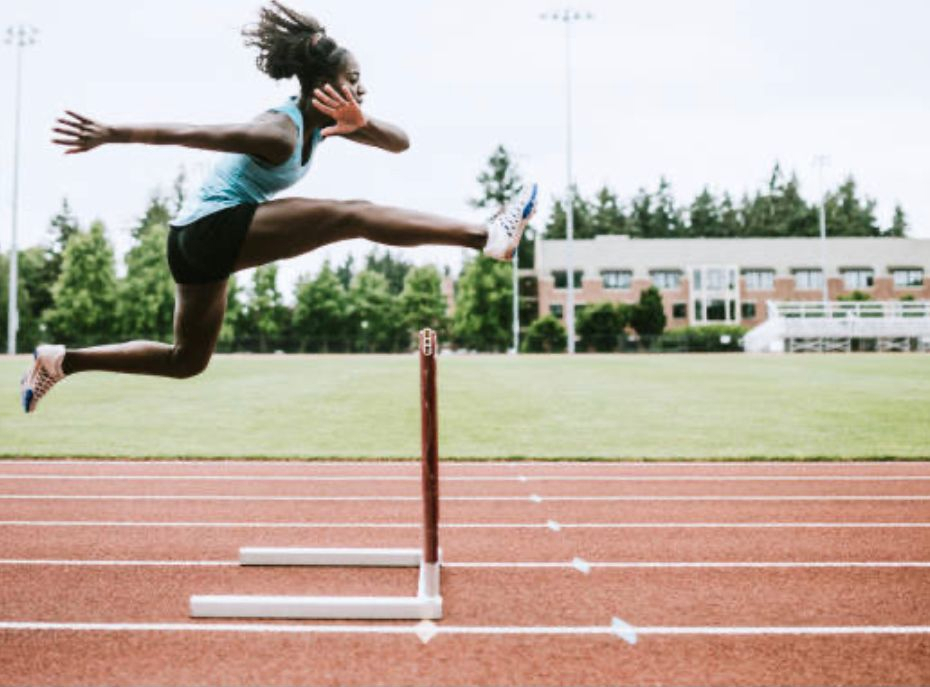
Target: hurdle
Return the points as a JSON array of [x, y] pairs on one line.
[[426, 605]]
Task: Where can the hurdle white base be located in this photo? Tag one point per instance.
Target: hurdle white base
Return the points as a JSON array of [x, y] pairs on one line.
[[426, 605]]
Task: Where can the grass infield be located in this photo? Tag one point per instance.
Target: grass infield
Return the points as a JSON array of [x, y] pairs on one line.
[[737, 406]]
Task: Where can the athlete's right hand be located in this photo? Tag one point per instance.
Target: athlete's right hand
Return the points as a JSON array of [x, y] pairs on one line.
[[80, 134]]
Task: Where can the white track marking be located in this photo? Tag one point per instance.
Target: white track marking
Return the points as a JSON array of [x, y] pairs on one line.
[[512, 565], [467, 478], [473, 630], [581, 565], [550, 525], [533, 498], [623, 630], [414, 463]]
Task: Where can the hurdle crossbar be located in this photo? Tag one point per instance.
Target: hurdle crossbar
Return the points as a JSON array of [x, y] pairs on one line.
[[426, 605]]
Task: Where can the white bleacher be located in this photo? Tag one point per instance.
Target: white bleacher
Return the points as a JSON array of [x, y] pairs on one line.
[[818, 326]]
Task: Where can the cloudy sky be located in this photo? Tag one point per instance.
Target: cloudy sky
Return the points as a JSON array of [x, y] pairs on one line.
[[701, 91]]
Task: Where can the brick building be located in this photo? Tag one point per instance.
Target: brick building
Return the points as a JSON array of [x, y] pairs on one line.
[[726, 281]]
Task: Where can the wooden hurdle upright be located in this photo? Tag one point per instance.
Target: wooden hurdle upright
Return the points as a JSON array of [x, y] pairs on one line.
[[427, 604]]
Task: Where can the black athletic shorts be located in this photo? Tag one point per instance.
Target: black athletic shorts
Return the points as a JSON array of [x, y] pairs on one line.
[[206, 250]]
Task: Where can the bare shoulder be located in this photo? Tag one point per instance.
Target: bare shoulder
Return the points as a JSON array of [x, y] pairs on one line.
[[277, 121]]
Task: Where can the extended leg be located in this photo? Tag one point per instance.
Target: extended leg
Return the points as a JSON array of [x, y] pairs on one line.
[[293, 226], [198, 317]]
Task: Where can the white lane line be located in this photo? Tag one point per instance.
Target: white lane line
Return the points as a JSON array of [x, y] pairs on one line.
[[533, 498], [456, 630], [581, 565], [623, 630], [467, 478], [550, 525], [512, 565], [478, 463]]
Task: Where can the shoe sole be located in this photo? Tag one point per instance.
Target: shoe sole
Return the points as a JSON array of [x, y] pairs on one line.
[[528, 213]]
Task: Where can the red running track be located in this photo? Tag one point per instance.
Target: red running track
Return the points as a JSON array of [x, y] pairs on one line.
[[582, 574]]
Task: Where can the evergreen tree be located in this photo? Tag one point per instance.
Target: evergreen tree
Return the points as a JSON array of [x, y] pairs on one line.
[[847, 215], [499, 182], [423, 303], [84, 309], [483, 308], [546, 335], [606, 215], [321, 312], [704, 219], [731, 224], [648, 316], [582, 228], [666, 221], [899, 224]]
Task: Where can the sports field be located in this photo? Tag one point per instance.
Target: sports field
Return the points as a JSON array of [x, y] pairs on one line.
[[591, 406]]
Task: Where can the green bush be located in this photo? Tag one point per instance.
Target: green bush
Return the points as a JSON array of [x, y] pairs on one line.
[[702, 339], [545, 335], [600, 326]]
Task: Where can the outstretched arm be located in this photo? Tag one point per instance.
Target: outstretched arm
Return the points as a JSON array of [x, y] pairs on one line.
[[352, 123], [266, 137]]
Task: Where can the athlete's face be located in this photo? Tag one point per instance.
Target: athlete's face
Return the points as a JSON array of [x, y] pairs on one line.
[[351, 76]]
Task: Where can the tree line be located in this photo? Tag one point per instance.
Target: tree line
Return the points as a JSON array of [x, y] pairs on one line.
[[777, 211]]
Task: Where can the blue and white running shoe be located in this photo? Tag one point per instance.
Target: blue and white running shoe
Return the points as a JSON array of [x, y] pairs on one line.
[[506, 229], [44, 373]]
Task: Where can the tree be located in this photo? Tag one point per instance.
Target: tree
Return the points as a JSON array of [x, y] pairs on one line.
[[423, 303], [266, 316], [582, 228], [648, 316], [847, 215], [146, 303], [393, 269], [34, 297], [234, 320], [345, 271], [704, 219], [899, 224], [375, 320], [600, 326], [606, 214], [499, 182], [84, 309], [321, 311], [483, 308], [546, 335]]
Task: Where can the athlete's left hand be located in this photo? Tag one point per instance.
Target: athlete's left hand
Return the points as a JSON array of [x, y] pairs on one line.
[[344, 109]]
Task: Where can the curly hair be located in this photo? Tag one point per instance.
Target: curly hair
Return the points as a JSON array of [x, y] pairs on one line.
[[293, 44]]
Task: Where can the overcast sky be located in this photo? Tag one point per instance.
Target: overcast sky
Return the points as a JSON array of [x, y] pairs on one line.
[[703, 92]]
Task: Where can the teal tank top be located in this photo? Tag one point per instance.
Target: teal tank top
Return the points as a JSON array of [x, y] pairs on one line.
[[237, 178]]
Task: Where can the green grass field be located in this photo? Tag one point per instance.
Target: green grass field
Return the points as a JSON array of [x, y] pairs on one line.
[[618, 406]]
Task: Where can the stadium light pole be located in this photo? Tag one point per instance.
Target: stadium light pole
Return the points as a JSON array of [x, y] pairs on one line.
[[820, 161], [569, 16], [19, 36]]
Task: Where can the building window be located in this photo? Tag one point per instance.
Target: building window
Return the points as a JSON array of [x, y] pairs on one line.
[[716, 310], [857, 279], [617, 279], [698, 311], [748, 310], [716, 279], [807, 280], [759, 280], [556, 311], [908, 277], [680, 311], [665, 279], [561, 278]]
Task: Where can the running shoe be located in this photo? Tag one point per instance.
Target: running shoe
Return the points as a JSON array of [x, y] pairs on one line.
[[506, 229], [44, 373]]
